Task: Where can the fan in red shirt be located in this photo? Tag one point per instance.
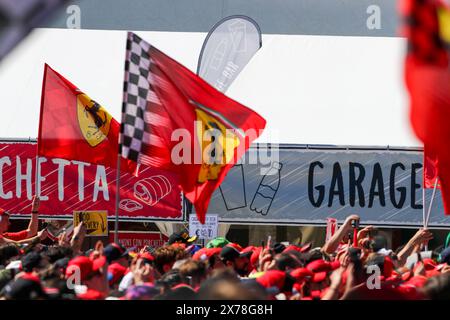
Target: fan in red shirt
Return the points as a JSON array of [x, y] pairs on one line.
[[23, 235]]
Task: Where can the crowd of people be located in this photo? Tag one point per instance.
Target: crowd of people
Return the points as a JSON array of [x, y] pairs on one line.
[[346, 267]]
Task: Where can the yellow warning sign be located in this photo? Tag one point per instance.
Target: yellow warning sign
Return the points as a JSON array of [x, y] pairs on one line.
[[96, 222]]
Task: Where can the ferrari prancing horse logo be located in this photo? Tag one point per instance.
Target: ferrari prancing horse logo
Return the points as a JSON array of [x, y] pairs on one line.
[[93, 120]]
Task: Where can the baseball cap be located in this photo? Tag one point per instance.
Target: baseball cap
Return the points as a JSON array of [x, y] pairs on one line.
[[146, 256], [272, 278], [182, 237], [235, 245], [115, 251], [445, 256], [320, 268], [278, 247], [319, 265], [62, 263], [302, 274], [206, 253], [218, 242], [26, 287], [86, 266], [115, 273], [230, 253], [429, 264], [254, 257], [292, 247], [417, 281]]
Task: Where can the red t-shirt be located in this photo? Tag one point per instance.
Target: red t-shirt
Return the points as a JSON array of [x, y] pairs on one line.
[[16, 236]]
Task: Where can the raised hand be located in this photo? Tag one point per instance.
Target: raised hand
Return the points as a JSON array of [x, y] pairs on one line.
[[43, 234], [143, 273], [364, 232], [35, 204]]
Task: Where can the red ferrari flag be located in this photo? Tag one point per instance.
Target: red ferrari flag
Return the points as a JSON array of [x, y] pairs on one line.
[[174, 120], [427, 76], [72, 126], [430, 173]]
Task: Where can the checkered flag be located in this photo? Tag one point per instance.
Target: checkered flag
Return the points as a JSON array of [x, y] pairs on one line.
[[164, 101], [134, 131]]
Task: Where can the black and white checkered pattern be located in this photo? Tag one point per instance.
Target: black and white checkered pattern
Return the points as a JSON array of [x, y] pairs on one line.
[[137, 92]]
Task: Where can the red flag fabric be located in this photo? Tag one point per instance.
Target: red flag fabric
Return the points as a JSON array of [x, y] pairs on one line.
[[174, 120], [430, 172], [427, 76], [72, 126]]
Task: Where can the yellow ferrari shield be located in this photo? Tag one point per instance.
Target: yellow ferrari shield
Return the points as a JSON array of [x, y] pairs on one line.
[[93, 120], [444, 24], [217, 145]]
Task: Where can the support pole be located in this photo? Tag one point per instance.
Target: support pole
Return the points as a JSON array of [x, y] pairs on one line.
[[424, 207], [431, 202], [116, 222]]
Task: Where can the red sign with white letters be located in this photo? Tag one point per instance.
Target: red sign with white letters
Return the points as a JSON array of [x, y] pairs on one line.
[[65, 186], [139, 239]]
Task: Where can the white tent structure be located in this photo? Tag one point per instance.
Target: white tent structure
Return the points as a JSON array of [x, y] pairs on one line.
[[310, 89]]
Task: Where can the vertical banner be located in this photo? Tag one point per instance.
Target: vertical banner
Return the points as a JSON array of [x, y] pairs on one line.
[[228, 48]]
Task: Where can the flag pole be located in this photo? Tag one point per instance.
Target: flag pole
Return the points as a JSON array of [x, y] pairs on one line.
[[424, 206], [116, 222], [431, 202], [41, 109]]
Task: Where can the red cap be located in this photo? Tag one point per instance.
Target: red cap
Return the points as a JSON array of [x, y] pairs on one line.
[[181, 285], [335, 264], [409, 292], [255, 256], [302, 274], [115, 272], [85, 265], [321, 268], [431, 267], [432, 273], [417, 281], [206, 253], [316, 294], [297, 287], [429, 264], [319, 277], [292, 247], [30, 276], [406, 275], [319, 265], [147, 256], [236, 246], [272, 278], [91, 294], [179, 244]]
